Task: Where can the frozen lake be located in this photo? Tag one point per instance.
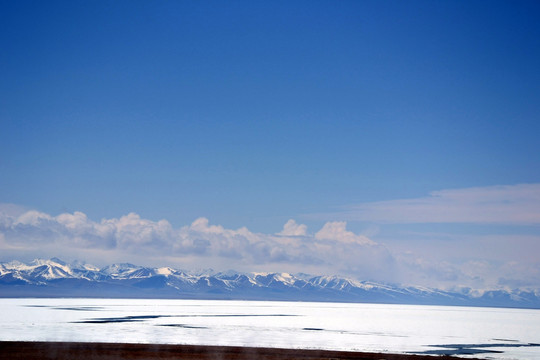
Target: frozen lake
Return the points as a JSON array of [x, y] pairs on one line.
[[498, 333]]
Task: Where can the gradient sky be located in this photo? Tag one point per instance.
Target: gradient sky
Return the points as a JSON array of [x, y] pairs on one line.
[[400, 137]]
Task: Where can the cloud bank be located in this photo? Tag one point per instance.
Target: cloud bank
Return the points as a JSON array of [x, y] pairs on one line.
[[451, 257], [332, 249]]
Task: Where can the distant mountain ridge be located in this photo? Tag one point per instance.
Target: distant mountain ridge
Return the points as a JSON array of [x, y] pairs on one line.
[[56, 278]]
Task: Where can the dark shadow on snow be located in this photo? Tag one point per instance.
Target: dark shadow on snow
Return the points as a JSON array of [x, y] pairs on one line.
[[183, 326], [147, 317], [473, 349]]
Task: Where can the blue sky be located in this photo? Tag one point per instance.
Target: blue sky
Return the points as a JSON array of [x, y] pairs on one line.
[[252, 113]]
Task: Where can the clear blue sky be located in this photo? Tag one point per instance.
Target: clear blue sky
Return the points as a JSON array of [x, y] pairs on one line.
[[250, 113]]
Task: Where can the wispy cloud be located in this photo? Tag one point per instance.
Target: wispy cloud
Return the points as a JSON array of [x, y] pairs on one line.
[[505, 204]]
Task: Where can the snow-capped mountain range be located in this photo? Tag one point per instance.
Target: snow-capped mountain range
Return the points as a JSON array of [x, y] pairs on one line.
[[56, 278]]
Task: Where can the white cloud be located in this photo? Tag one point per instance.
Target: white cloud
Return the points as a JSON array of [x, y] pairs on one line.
[[337, 231], [291, 228], [333, 249], [33, 218], [505, 204]]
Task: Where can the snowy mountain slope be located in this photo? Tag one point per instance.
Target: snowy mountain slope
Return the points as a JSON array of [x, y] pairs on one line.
[[55, 278]]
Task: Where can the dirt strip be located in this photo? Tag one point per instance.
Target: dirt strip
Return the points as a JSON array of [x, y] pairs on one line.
[[114, 351]]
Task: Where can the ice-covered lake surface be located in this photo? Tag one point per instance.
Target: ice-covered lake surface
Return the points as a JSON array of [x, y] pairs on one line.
[[492, 333]]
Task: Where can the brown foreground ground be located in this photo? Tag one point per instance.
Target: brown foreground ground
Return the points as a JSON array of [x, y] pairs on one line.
[[110, 351]]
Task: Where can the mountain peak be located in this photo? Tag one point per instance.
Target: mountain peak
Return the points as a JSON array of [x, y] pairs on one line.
[[57, 261]]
